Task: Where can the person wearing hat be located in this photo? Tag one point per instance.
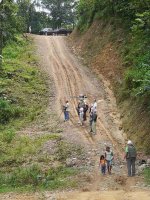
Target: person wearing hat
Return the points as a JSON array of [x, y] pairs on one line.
[[130, 156]]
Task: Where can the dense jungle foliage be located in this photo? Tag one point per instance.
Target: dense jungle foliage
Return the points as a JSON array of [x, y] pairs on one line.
[[132, 18], [135, 17]]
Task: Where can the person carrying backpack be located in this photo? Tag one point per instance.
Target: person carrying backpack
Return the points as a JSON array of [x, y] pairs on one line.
[[130, 156]]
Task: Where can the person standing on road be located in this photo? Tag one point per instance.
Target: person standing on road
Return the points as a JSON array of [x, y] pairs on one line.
[[86, 107], [130, 156], [95, 104], [30, 30], [91, 120], [66, 111], [94, 120], [109, 158], [81, 114], [91, 108], [102, 164]]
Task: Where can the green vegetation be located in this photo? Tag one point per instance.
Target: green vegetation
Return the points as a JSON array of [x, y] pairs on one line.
[[34, 178], [125, 24], [147, 175], [62, 12], [134, 15], [24, 167], [17, 149], [22, 89], [22, 96]]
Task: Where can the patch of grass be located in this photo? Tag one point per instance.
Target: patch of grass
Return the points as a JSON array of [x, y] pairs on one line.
[[33, 178], [21, 147], [147, 175], [23, 90]]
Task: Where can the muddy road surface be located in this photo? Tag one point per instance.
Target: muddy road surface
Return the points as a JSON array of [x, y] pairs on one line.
[[72, 78]]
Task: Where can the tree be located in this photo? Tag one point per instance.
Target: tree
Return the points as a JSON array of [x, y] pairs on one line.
[[61, 11], [26, 9], [8, 22]]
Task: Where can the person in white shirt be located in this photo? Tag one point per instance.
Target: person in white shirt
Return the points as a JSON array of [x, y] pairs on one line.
[[81, 114], [95, 104], [109, 158], [66, 111]]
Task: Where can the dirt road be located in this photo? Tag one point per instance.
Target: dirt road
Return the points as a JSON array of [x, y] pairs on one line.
[[71, 78]]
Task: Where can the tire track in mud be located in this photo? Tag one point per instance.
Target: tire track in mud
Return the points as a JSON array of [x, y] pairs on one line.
[[75, 68], [71, 81], [71, 87]]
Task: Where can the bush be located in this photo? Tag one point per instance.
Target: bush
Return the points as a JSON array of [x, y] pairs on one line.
[[21, 177], [8, 111], [33, 176], [147, 175], [8, 136]]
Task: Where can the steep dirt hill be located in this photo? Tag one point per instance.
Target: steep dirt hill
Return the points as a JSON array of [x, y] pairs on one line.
[[101, 49], [71, 78]]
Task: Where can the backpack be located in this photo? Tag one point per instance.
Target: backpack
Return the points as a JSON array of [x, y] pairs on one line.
[[131, 152], [64, 108], [94, 117]]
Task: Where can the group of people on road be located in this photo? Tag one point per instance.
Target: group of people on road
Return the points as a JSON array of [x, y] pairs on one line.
[[82, 109], [106, 160]]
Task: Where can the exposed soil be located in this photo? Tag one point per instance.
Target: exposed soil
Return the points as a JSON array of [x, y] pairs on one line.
[[71, 78]]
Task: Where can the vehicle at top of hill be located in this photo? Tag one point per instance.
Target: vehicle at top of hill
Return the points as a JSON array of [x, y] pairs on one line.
[[46, 31], [62, 31], [50, 31]]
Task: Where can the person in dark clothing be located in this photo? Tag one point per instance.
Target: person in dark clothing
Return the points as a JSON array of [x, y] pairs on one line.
[[86, 107], [90, 121], [93, 120], [130, 156]]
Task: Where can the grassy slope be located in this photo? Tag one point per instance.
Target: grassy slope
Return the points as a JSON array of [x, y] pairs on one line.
[[102, 47], [24, 164]]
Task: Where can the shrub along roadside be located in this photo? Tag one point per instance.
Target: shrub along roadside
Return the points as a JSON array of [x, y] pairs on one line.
[[147, 175], [33, 178], [24, 162], [23, 96], [23, 91]]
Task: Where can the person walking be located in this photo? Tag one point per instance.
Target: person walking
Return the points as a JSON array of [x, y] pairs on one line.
[[102, 164], [81, 114], [95, 104], [94, 120], [30, 30], [90, 121], [66, 111], [109, 158], [91, 108], [86, 107], [130, 156]]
